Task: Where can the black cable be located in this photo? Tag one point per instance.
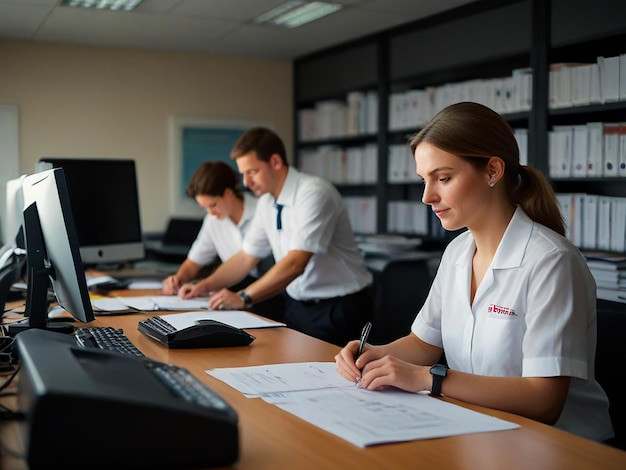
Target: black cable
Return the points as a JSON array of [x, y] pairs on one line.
[[6, 342], [10, 378], [14, 310], [7, 310], [7, 414]]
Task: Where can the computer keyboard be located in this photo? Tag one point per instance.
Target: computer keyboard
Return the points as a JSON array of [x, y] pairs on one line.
[[184, 385], [106, 338]]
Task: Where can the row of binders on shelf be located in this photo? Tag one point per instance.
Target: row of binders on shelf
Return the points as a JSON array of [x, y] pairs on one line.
[[359, 164], [357, 114], [408, 217], [401, 165], [415, 107], [609, 272], [351, 165], [594, 222], [593, 149], [354, 116], [580, 84], [570, 84], [362, 213], [403, 217]]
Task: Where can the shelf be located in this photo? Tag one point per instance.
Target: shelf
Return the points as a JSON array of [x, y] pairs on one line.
[[347, 141], [461, 45]]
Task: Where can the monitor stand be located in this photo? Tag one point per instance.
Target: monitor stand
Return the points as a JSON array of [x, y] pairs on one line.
[[37, 305]]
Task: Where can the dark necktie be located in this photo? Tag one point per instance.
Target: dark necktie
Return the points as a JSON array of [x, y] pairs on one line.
[[279, 220]]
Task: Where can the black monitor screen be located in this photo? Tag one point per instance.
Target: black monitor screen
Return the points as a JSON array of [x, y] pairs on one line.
[[52, 254], [105, 204]]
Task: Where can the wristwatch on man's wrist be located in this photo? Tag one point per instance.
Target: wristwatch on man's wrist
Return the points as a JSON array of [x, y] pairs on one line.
[[439, 372], [247, 300]]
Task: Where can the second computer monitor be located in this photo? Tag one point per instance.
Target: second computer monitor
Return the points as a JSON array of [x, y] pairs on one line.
[[52, 254], [14, 208], [105, 204]]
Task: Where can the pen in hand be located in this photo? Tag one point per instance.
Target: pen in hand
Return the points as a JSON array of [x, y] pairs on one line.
[[364, 335]]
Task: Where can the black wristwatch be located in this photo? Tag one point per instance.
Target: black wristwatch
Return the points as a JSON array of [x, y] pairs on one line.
[[439, 372], [247, 300]]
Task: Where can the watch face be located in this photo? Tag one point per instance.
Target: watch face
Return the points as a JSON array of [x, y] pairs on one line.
[[439, 369]]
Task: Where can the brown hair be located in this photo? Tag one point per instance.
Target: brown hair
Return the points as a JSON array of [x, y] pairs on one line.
[[212, 179], [261, 140], [474, 132]]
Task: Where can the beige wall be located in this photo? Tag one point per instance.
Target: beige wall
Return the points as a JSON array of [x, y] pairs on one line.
[[108, 102]]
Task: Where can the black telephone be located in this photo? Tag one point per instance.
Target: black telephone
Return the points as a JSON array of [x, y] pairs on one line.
[[204, 334]]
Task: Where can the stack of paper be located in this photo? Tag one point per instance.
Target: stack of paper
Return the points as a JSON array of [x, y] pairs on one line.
[[315, 392], [609, 271], [118, 305]]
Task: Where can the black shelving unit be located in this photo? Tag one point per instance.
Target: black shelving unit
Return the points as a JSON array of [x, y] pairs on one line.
[[480, 40], [582, 30]]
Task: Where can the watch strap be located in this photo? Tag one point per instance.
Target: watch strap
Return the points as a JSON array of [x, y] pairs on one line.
[[247, 300], [438, 372]]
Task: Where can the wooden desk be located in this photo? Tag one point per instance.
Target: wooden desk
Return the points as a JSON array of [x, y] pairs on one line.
[[272, 439]]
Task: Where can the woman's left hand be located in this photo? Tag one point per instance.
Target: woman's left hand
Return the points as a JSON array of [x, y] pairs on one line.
[[389, 371]]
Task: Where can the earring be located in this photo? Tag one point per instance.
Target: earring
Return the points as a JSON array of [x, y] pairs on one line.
[[491, 184]]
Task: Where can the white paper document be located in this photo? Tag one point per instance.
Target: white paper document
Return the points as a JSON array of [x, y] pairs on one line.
[[165, 303], [235, 318], [142, 284], [110, 305], [114, 305], [259, 380], [317, 393], [137, 284]]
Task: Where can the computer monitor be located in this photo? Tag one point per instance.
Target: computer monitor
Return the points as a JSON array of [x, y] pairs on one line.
[[12, 253], [14, 208], [52, 254], [105, 204]]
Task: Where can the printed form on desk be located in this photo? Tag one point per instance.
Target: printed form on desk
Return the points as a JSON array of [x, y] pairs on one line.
[[316, 393], [111, 305], [235, 318]]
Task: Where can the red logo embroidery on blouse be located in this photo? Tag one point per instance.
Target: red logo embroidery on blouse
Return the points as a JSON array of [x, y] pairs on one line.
[[497, 310]]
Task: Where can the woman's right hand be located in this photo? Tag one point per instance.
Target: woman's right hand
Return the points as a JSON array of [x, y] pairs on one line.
[[352, 368], [171, 285]]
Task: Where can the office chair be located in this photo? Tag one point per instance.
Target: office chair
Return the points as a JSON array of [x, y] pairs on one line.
[[611, 364], [400, 289]]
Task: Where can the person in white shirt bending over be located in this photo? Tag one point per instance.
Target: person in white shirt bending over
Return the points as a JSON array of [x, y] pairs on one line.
[[513, 305], [215, 187]]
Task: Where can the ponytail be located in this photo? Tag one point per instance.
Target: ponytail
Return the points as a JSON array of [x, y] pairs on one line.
[[536, 196]]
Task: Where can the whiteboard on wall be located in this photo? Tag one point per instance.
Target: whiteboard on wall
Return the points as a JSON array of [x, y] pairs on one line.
[[9, 159], [194, 140]]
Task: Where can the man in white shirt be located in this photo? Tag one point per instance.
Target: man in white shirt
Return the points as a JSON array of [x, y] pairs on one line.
[[300, 219]]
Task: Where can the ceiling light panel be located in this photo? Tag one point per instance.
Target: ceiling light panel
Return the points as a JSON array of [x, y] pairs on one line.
[[124, 5], [297, 12]]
